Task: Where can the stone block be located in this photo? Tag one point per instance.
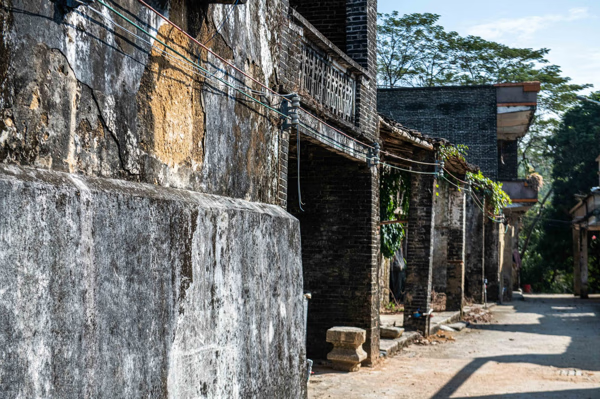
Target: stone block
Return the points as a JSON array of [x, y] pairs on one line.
[[390, 332], [347, 353]]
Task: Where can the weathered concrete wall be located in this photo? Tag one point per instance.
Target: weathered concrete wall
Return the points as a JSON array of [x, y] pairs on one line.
[[474, 254], [113, 289], [455, 290], [440, 237], [492, 262], [80, 95], [384, 282]]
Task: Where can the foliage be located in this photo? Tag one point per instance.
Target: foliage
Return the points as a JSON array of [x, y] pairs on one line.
[[458, 151], [495, 197], [415, 51], [573, 147], [394, 200]]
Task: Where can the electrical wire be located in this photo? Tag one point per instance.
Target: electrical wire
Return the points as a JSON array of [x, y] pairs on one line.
[[298, 163], [408, 160], [190, 61], [242, 72], [408, 170], [198, 69], [456, 178]]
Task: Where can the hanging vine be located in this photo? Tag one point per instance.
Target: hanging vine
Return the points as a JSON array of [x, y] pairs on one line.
[[495, 197], [394, 200]]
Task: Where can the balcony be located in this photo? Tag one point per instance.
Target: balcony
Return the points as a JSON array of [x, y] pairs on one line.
[[521, 194], [329, 79], [517, 103]]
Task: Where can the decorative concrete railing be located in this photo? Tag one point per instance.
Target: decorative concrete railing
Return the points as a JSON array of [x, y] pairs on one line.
[[329, 79], [327, 82]]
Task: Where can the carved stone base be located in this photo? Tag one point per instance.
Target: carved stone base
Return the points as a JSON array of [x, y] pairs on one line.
[[347, 353]]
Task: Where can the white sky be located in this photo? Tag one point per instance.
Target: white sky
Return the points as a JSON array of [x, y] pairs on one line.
[[571, 29]]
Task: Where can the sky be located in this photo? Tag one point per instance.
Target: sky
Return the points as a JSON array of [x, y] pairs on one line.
[[570, 29]]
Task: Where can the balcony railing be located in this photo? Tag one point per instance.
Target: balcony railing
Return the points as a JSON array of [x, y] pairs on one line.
[[327, 83]]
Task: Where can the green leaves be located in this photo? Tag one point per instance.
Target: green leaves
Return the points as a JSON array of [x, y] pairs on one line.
[[495, 197], [394, 195]]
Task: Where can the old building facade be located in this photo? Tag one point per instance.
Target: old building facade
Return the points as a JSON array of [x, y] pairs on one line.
[[149, 156], [488, 120]]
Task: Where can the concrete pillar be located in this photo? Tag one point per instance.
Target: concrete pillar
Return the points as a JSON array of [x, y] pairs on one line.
[[583, 263], [419, 254], [474, 254], [576, 269], [492, 259], [455, 292]]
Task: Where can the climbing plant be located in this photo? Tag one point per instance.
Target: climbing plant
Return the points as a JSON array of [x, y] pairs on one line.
[[495, 197], [394, 199]]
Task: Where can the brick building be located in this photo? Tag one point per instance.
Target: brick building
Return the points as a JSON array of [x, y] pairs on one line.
[[489, 120], [436, 221]]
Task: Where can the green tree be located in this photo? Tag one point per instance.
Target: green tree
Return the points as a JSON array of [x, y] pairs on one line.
[[572, 150], [415, 51]]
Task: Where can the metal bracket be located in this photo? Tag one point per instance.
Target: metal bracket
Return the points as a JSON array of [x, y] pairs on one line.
[[291, 111]]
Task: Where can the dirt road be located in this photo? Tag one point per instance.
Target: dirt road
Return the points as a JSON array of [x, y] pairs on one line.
[[545, 347]]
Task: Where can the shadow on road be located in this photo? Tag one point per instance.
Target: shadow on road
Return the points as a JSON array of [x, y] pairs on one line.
[[570, 317]]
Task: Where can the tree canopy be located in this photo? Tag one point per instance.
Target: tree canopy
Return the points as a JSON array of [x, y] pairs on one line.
[[415, 51], [572, 150]]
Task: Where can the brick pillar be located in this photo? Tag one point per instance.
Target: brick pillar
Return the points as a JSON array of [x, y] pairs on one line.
[[419, 254], [455, 292], [576, 269], [361, 46], [340, 244], [474, 260], [492, 259], [583, 263]]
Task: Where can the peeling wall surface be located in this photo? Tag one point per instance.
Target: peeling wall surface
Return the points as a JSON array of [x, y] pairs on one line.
[[82, 95], [114, 280], [112, 289]]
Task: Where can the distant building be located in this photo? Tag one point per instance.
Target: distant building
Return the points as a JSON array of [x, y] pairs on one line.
[[488, 119]]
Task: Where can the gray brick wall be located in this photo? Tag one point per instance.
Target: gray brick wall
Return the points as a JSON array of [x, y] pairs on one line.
[[419, 253], [463, 115], [329, 17], [508, 160], [340, 244]]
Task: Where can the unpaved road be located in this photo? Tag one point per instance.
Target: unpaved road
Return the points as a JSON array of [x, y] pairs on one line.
[[545, 347]]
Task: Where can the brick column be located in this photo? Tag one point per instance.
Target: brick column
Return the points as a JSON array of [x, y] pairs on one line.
[[361, 46], [492, 259], [474, 260], [419, 254], [455, 286], [576, 269], [583, 263]]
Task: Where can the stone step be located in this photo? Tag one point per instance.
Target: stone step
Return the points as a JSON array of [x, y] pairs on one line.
[[389, 347]]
